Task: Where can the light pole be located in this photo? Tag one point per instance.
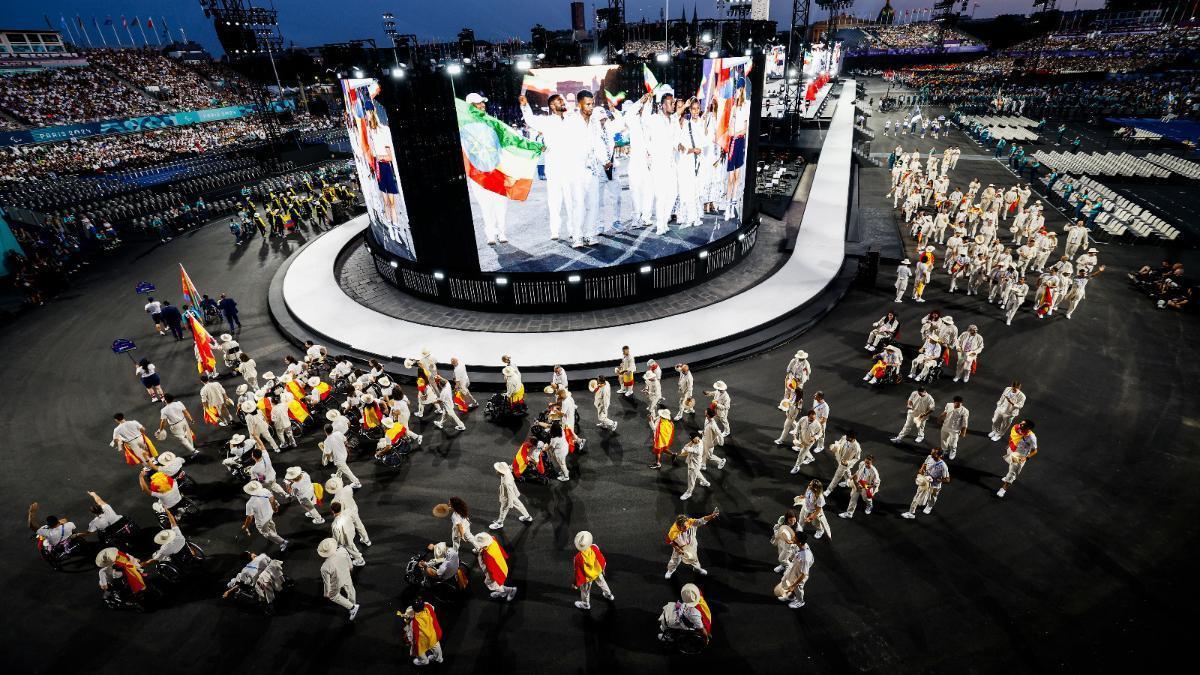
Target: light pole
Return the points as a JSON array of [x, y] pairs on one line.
[[452, 70]]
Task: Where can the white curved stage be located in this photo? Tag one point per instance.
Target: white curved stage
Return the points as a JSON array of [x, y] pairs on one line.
[[314, 299]]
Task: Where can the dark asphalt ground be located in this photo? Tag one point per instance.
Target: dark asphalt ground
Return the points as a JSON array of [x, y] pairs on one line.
[[1086, 563]]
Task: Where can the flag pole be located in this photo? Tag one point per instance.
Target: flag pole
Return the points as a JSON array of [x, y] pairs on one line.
[[157, 39], [141, 28], [166, 28], [99, 32], [125, 22], [86, 35], [67, 26]]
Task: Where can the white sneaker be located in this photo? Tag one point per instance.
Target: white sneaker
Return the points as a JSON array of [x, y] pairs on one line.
[[953, 453], [778, 441], [1001, 492], [496, 525], [564, 478], [810, 460], [460, 428], [896, 439], [927, 510], [356, 486], [318, 520], [721, 463], [795, 470], [819, 448], [367, 543], [844, 484], [512, 593], [705, 484], [526, 519], [846, 514], [966, 378], [438, 424], [668, 574], [956, 379], [908, 514], [283, 546], [819, 534], [420, 440], [701, 571], [685, 496], [920, 438], [678, 416], [581, 605], [795, 604], [778, 569]]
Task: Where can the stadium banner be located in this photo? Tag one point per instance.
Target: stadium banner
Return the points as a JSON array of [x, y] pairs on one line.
[[130, 125]]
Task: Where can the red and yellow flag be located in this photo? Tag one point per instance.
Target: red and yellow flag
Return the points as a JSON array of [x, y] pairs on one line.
[[495, 561], [264, 404], [371, 416], [705, 614], [395, 432], [295, 388], [211, 414], [664, 434], [133, 575], [206, 361], [569, 434], [1046, 303], [427, 632], [521, 461], [323, 390], [589, 564], [518, 395], [297, 411], [459, 402], [676, 530]]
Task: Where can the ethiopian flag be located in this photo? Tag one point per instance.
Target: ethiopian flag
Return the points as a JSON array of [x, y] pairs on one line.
[[496, 157], [427, 632], [206, 362]]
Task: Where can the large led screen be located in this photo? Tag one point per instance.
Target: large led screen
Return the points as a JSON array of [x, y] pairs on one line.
[[566, 173], [375, 161]]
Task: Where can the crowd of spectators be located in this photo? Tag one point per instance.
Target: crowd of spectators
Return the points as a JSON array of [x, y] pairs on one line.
[[175, 85], [911, 36]]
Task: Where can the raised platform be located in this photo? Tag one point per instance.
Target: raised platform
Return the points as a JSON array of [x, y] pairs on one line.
[[307, 302]]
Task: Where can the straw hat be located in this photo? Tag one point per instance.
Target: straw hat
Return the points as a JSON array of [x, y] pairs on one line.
[[293, 473], [165, 537], [106, 556], [166, 458], [285, 378], [583, 541], [248, 406], [509, 371], [384, 382], [368, 399], [906, 261], [314, 381], [690, 594], [1093, 250], [593, 385], [237, 439], [440, 549], [442, 510], [268, 375], [892, 348], [719, 385], [947, 320], [226, 337], [409, 363], [327, 547], [333, 485], [242, 389], [548, 389], [665, 414], [502, 467], [482, 540], [332, 415], [252, 487], [802, 354], [425, 351]]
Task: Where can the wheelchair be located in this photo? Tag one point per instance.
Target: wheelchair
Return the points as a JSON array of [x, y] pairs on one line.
[[687, 642], [532, 475], [57, 555], [211, 315], [118, 534], [118, 596], [891, 375], [498, 408], [183, 511], [396, 454], [438, 591], [247, 597], [175, 568]]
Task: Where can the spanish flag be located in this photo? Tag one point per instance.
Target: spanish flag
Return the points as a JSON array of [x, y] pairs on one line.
[[161, 482], [664, 434], [427, 632], [211, 415], [705, 614], [421, 384], [521, 461], [589, 564], [395, 433], [206, 362], [133, 573], [518, 395], [297, 411], [295, 388], [131, 458], [264, 404], [1047, 302], [495, 562], [1014, 437], [570, 436], [879, 368], [459, 402], [371, 416], [675, 530], [323, 390], [627, 379]]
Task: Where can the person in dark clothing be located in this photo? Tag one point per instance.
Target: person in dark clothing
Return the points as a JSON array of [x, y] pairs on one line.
[[173, 319], [229, 310]]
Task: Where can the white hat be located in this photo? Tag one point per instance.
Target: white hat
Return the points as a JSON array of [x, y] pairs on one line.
[[164, 537], [425, 351], [548, 389], [409, 363], [439, 549], [663, 90], [482, 540], [690, 594], [333, 485], [923, 481], [502, 467], [651, 362], [593, 385], [314, 381], [268, 375], [801, 354], [583, 540], [476, 98], [929, 249], [327, 547], [285, 378], [1092, 250], [248, 406], [719, 385], [387, 422], [106, 556], [237, 439], [368, 399], [252, 487], [242, 389], [166, 457], [226, 337], [509, 371], [665, 414], [906, 261], [383, 443], [947, 320], [332, 415], [892, 348], [293, 473], [384, 382]]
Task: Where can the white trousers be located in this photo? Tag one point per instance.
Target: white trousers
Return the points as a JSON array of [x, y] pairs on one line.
[[666, 189], [268, 531], [857, 491], [343, 469], [183, 433], [639, 189], [493, 210], [611, 193], [585, 591], [506, 505], [689, 195], [345, 597], [912, 423], [589, 194], [563, 192]]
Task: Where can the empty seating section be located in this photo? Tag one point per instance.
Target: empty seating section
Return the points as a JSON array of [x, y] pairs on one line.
[[1008, 127], [1178, 165], [1101, 164], [1120, 217]]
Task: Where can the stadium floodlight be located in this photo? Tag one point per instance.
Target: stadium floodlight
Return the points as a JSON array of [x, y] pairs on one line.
[[358, 72], [454, 69], [398, 73], [706, 38], [574, 278], [467, 60], [595, 60], [703, 254], [501, 281], [662, 57], [439, 275], [748, 52], [646, 269], [524, 64]]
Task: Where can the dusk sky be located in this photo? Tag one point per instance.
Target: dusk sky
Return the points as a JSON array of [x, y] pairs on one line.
[[312, 22]]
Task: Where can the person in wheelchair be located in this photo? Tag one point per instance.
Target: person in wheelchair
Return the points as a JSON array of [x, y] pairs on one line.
[[683, 621], [56, 536], [175, 553], [172, 465], [258, 583], [110, 527], [122, 579], [927, 359], [886, 367], [442, 568], [230, 351], [883, 330], [238, 459], [512, 402]]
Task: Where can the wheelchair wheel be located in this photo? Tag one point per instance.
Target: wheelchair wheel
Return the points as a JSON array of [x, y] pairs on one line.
[[197, 554], [688, 643], [169, 572]]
